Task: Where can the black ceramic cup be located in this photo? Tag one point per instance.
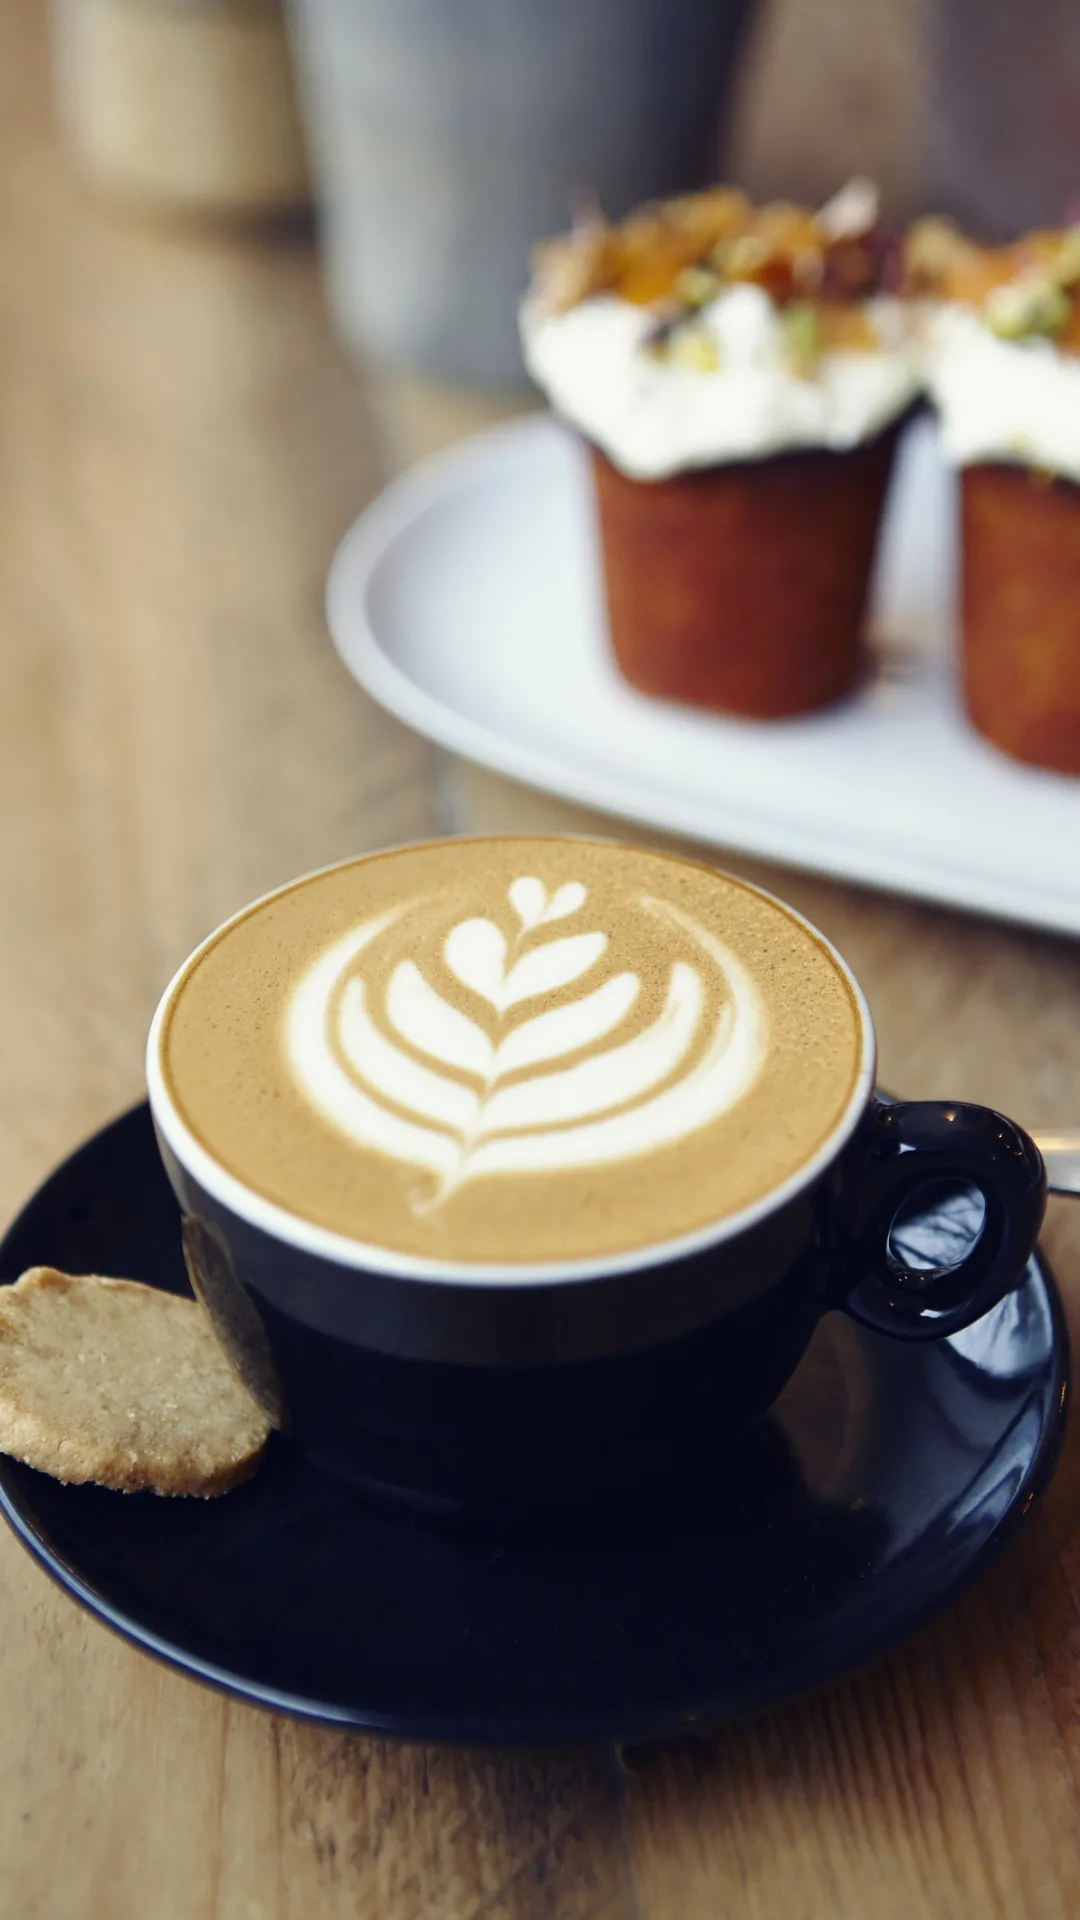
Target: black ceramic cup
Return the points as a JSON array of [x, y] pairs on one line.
[[533, 1394]]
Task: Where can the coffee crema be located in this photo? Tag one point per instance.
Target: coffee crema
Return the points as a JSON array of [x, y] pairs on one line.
[[513, 1050]]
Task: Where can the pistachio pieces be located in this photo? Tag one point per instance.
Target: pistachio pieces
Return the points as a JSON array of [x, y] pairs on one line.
[[695, 287], [1024, 291], [1030, 306], [694, 350], [803, 339]]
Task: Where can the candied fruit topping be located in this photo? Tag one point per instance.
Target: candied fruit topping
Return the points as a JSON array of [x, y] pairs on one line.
[[677, 256], [1025, 291]]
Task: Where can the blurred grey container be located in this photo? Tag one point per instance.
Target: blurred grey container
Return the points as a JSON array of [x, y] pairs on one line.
[[449, 135]]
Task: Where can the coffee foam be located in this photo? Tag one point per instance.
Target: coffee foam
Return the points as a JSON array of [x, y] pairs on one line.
[[513, 1050]]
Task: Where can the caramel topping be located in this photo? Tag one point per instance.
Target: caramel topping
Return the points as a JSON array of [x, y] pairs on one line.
[[784, 248], [845, 329], [1023, 291], [676, 256]]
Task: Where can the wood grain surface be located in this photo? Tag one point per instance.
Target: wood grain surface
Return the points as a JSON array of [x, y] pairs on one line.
[[180, 446]]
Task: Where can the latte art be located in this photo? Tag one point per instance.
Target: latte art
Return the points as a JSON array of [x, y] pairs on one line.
[[470, 1094], [511, 1052]]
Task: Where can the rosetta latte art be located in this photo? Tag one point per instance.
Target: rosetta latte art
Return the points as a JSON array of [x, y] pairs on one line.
[[496, 1084]]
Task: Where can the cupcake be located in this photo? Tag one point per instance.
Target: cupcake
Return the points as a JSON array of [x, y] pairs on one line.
[[740, 375], [1004, 371]]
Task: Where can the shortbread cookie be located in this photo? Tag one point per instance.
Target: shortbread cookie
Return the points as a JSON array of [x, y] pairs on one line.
[[119, 1383]]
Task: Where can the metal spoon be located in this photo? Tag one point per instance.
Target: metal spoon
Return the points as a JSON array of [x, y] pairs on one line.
[[1061, 1152]]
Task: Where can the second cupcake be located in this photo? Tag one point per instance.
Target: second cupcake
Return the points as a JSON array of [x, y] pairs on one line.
[[740, 375], [1004, 368]]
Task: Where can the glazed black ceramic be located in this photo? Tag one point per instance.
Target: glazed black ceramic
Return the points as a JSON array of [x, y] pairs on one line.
[[885, 1477], [491, 1405]]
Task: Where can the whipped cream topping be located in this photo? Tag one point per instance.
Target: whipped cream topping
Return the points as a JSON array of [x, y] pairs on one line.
[[654, 417], [999, 399]]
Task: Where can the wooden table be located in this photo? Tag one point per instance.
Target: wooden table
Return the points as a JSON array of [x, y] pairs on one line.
[[180, 446]]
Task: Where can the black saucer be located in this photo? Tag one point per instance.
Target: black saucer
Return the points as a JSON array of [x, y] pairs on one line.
[[884, 1479]]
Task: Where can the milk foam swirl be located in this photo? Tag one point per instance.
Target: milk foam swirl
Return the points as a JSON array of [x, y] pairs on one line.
[[398, 1068]]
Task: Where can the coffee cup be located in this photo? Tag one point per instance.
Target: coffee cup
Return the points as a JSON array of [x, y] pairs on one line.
[[539, 1161]]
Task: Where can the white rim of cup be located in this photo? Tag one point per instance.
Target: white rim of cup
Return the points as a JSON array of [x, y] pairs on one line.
[[341, 1249]]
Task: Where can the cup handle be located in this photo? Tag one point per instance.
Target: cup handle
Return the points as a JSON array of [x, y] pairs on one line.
[[908, 1145]]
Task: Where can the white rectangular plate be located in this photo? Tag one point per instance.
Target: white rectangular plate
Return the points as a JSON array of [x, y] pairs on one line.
[[467, 600]]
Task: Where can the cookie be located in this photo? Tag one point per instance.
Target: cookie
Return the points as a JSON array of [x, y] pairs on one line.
[[118, 1383]]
